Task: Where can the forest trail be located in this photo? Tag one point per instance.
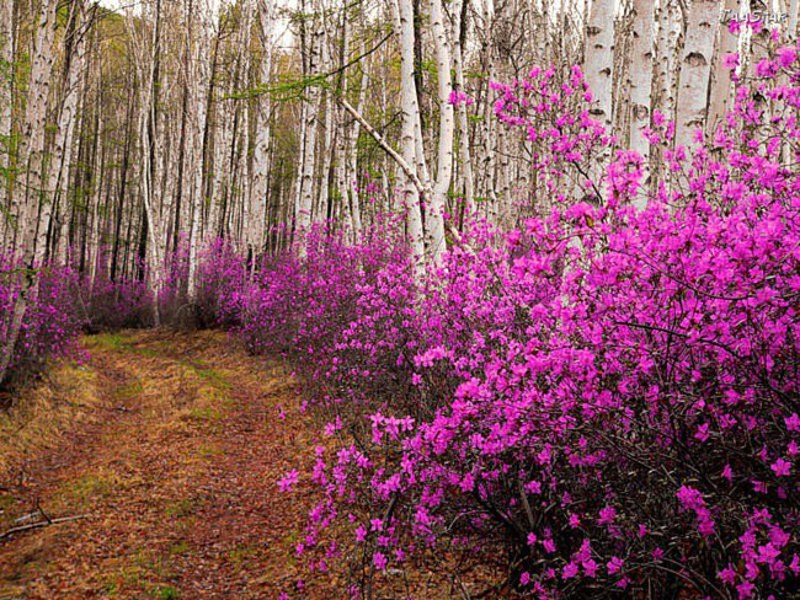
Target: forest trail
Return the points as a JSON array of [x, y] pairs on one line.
[[177, 478]]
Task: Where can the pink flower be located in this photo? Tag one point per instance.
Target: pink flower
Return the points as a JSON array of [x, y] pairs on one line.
[[570, 571], [793, 422], [727, 575], [702, 432], [731, 61], [607, 515], [782, 468], [786, 56], [727, 473], [615, 565], [458, 97], [361, 533], [289, 480], [379, 560], [745, 589]]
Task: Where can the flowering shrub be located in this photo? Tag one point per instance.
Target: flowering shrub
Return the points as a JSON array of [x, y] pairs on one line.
[[222, 278], [121, 304], [568, 147], [602, 400], [50, 325]]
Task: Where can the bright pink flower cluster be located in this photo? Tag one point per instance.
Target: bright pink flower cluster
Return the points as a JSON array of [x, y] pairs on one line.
[[606, 398], [50, 325]]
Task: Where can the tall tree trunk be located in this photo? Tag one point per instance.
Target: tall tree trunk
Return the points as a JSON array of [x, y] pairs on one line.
[[28, 198], [75, 59], [201, 74], [444, 163], [312, 107], [641, 82], [459, 37], [6, 103], [599, 61], [721, 87], [404, 24], [488, 158], [695, 72], [261, 150]]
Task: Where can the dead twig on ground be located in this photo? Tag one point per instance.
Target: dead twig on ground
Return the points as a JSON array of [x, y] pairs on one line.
[[38, 524]]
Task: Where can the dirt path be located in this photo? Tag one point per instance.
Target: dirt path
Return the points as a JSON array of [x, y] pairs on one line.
[[177, 478]]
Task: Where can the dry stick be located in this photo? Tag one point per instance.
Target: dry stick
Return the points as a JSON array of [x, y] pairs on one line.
[[22, 528]]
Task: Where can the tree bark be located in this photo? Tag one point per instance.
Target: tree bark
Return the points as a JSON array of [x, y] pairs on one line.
[[444, 163], [599, 61], [695, 72], [641, 82]]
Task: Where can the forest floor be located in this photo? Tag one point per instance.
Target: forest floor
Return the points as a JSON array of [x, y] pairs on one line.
[[169, 449]]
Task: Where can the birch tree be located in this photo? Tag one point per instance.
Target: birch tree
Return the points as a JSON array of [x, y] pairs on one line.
[[599, 58], [404, 26], [721, 87], [261, 151], [641, 81], [312, 106], [444, 163], [695, 70], [6, 100], [465, 154], [29, 195], [200, 49]]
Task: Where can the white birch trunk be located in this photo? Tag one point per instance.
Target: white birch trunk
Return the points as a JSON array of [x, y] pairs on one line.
[[695, 72], [29, 196], [310, 141], [721, 88], [791, 27], [599, 61], [461, 111], [410, 122], [641, 82], [261, 151], [488, 159], [61, 158], [352, 155], [444, 163], [201, 72], [6, 100]]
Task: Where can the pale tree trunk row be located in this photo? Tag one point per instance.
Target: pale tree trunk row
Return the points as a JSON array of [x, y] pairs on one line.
[[30, 208], [225, 128], [641, 81], [261, 151], [313, 94]]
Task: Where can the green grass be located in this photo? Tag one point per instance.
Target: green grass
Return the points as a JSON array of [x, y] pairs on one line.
[[166, 592], [182, 508], [181, 547], [209, 451], [109, 341], [207, 413], [214, 377], [129, 390], [242, 553], [92, 485]]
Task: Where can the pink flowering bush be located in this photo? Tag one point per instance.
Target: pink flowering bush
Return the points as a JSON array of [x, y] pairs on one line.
[[112, 305], [568, 147], [602, 401], [221, 290], [50, 325]]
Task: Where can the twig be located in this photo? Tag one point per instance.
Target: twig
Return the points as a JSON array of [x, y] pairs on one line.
[[38, 524]]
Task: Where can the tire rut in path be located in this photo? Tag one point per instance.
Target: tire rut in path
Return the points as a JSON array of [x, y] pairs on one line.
[[178, 479]]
